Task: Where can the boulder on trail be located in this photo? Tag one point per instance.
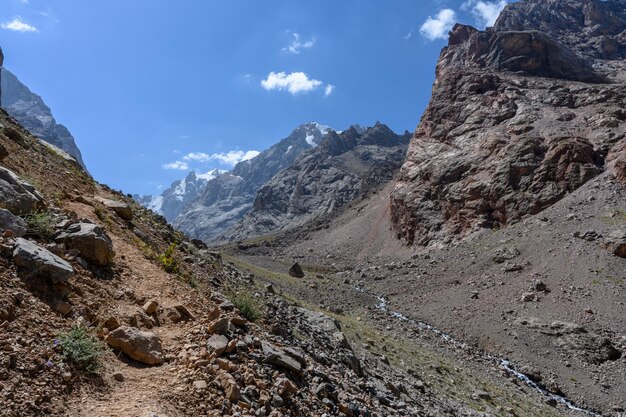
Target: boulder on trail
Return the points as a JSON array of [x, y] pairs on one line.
[[141, 346], [90, 240], [17, 196], [120, 208], [15, 225], [296, 271], [40, 262]]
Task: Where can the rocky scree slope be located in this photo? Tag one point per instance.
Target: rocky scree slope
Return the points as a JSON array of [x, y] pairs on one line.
[[75, 254], [344, 167], [33, 114], [227, 198], [521, 114]]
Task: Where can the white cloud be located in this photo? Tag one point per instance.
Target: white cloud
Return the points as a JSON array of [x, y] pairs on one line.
[[296, 45], [296, 82], [229, 158], [18, 25], [232, 158], [485, 12], [197, 156], [328, 90], [180, 165], [439, 26]]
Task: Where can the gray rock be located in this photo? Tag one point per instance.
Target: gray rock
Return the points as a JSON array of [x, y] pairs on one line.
[[17, 196], [279, 358], [616, 242], [16, 225], [296, 271], [217, 344], [141, 346], [119, 207], [90, 240], [41, 262]]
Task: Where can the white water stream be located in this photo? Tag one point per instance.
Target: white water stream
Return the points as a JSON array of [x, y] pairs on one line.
[[502, 363]]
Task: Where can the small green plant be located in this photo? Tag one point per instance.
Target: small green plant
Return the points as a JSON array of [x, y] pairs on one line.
[[81, 348], [167, 260], [247, 306], [41, 223]]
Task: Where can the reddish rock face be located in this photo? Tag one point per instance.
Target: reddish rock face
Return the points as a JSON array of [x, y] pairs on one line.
[[521, 114]]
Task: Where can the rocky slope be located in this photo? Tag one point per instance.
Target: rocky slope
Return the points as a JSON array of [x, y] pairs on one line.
[[182, 330], [180, 194], [521, 114], [226, 199], [344, 167], [32, 113]]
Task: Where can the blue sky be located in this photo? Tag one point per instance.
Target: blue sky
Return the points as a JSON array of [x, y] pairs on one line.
[[151, 88]]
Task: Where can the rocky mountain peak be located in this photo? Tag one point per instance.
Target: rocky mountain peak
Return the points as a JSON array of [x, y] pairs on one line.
[[521, 114], [31, 112]]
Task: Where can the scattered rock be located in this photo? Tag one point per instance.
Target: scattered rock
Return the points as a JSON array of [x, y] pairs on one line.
[[41, 262], [528, 297], [17, 196], [120, 208], [141, 346], [150, 307], [296, 271], [90, 240], [616, 242], [280, 359], [9, 222], [217, 344]]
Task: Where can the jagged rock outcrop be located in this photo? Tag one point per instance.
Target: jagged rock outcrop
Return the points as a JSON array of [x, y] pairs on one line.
[[521, 114], [344, 167], [227, 198], [33, 114]]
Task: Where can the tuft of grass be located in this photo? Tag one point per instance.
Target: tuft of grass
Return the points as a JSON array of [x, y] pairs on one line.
[[167, 261], [247, 306], [42, 223], [79, 347]]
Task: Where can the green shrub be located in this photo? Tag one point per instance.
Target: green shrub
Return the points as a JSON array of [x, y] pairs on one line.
[[247, 306], [81, 348], [42, 223], [167, 260]]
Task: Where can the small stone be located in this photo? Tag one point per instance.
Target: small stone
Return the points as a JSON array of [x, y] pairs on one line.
[[118, 376], [200, 385], [150, 307], [296, 271], [528, 297]]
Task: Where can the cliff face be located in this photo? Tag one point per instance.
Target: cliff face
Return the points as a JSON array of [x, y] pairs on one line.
[[342, 168], [520, 115], [32, 113]]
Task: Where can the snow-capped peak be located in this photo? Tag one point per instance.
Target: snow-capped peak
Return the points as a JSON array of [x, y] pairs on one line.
[[208, 176]]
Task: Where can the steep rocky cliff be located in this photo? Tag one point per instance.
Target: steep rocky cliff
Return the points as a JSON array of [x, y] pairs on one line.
[[344, 167], [226, 199], [33, 114], [521, 114]]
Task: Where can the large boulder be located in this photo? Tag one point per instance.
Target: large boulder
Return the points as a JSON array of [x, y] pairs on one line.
[[39, 261], [296, 271], [141, 346], [120, 208], [90, 240], [13, 224], [17, 196]]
